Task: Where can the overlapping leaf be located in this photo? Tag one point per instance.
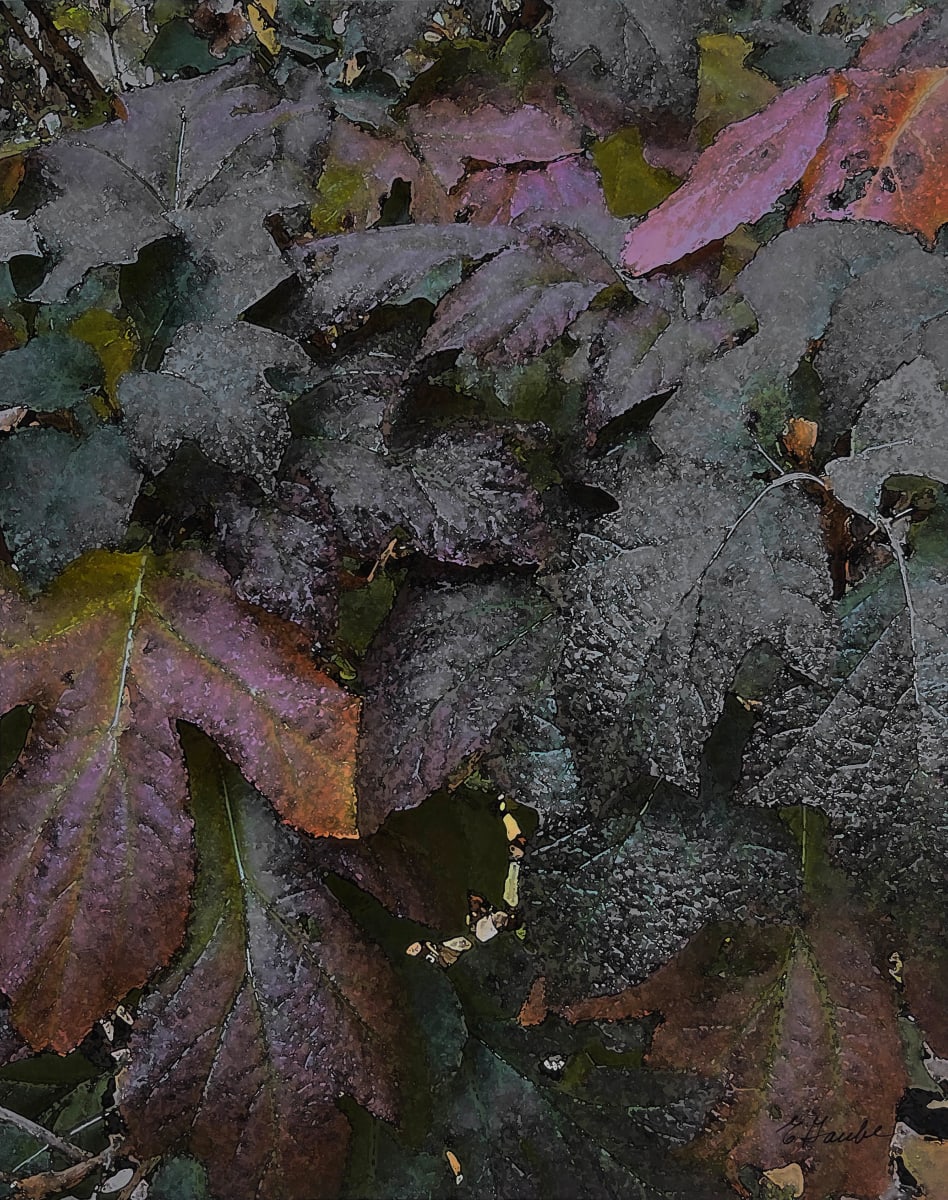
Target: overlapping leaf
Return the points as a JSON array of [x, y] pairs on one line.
[[212, 156], [425, 712], [277, 1006], [92, 813]]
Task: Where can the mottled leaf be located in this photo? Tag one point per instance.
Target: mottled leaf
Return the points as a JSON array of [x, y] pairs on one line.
[[458, 498], [516, 304], [446, 667], [648, 48], [351, 274], [195, 154], [277, 1006], [282, 555], [212, 388], [61, 495], [450, 138], [51, 371], [121, 647], [881, 161]]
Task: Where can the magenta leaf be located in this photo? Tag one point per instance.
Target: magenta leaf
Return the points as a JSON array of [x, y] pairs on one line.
[[739, 177]]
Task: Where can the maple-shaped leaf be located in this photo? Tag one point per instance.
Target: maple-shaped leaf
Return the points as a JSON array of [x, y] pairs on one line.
[[17, 237], [277, 1006], [458, 498], [61, 495], [801, 1023], [213, 388], [119, 649], [212, 156], [446, 667]]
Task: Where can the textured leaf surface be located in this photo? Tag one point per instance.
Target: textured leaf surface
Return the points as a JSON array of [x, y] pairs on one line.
[[277, 1007], [424, 715], [61, 495], [514, 306], [646, 47], [659, 868], [195, 154], [803, 1025], [283, 555], [92, 813], [212, 388], [881, 161], [49, 372], [459, 499], [353, 273]]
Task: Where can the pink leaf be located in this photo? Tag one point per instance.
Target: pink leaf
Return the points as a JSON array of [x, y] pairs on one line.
[[738, 178]]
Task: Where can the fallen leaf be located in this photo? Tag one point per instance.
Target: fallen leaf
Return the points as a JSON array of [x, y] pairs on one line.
[[118, 649], [799, 439], [789, 1177]]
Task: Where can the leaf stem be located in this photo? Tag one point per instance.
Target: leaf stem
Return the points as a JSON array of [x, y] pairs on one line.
[[52, 1140]]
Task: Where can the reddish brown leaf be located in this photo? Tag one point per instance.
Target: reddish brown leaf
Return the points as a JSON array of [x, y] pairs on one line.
[[884, 157], [95, 846], [276, 1008], [801, 1024]]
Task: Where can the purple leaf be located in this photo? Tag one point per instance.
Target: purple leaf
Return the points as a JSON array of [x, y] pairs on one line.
[[739, 177]]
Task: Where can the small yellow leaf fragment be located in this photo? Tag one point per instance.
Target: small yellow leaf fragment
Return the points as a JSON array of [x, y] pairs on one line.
[[454, 1164], [511, 826], [790, 1176], [262, 14]]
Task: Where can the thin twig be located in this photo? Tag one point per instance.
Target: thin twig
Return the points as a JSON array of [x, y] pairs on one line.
[[52, 1140]]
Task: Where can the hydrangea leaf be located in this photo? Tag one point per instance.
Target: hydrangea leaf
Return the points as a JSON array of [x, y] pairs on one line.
[[277, 1006], [61, 495], [119, 649], [446, 667], [212, 388], [457, 498], [196, 154]]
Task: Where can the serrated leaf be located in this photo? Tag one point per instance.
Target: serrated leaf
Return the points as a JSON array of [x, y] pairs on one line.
[[403, 262], [61, 495], [212, 388], [278, 1006], [518, 303], [803, 1026], [457, 498], [443, 671], [121, 647], [205, 155], [282, 555]]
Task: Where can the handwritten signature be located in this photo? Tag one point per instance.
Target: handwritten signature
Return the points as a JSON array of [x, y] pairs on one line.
[[808, 1131]]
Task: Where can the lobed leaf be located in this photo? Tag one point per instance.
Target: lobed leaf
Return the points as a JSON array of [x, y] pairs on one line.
[[121, 647]]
